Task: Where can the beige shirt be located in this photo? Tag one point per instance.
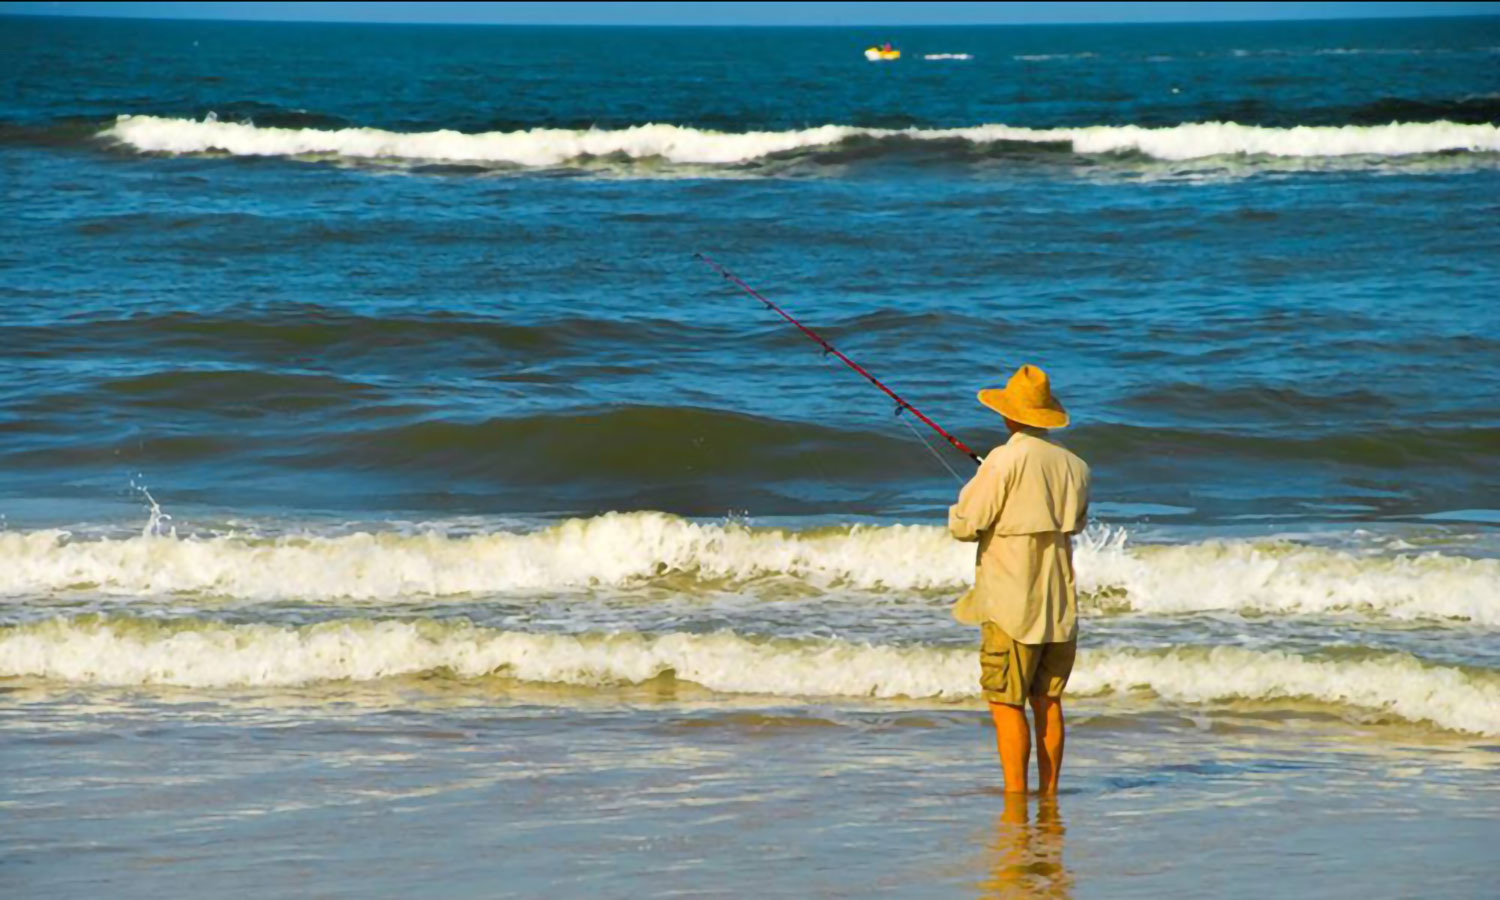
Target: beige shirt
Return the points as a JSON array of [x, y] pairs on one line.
[[1027, 500]]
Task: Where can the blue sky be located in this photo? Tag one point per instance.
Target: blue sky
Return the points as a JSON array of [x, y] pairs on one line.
[[751, 13]]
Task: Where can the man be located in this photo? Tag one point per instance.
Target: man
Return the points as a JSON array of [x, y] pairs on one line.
[[1028, 499]]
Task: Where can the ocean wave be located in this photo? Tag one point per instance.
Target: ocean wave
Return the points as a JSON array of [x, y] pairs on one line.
[[632, 549], [195, 653], [302, 329], [198, 389], [1393, 447], [648, 445], [548, 147], [693, 461], [651, 446], [1048, 57], [655, 446], [1382, 51], [1475, 109]]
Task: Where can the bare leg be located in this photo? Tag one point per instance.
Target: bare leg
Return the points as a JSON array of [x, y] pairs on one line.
[[1049, 741], [1013, 740]]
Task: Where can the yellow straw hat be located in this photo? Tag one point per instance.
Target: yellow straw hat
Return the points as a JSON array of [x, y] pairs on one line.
[[1027, 398]]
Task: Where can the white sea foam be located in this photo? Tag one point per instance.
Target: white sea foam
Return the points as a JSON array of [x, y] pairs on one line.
[[1047, 57], [540, 147], [1379, 51], [948, 56], [626, 549], [204, 654], [1291, 579]]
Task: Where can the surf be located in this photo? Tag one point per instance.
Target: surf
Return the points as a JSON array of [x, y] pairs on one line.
[[625, 550], [124, 650], [550, 147]]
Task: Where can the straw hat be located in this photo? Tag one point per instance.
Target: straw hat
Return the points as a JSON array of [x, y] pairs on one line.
[[1027, 398]]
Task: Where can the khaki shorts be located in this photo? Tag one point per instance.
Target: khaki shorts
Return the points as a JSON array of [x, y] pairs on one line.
[[1010, 672]]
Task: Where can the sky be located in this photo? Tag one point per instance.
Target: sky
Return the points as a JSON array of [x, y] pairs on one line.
[[749, 13]]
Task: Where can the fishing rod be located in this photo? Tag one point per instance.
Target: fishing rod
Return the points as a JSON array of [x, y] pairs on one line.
[[828, 348]]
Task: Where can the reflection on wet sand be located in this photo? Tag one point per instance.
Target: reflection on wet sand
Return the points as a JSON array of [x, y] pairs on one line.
[[1025, 858]]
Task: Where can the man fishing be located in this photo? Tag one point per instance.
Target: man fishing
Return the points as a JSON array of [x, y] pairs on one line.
[[1023, 507], [1028, 499]]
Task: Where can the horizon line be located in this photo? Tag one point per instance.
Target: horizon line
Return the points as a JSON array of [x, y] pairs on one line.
[[725, 25]]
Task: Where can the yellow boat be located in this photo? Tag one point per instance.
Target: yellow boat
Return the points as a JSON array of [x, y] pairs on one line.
[[877, 54]]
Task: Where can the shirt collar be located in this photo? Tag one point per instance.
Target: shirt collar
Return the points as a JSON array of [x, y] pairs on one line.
[[1026, 431]]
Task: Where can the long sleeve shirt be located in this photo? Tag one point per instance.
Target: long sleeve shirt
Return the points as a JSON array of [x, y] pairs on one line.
[[1022, 507]]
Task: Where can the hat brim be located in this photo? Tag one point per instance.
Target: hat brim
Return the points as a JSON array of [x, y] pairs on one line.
[[1036, 416]]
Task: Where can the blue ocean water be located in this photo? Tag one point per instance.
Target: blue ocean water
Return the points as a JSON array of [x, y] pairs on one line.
[[364, 410], [275, 328]]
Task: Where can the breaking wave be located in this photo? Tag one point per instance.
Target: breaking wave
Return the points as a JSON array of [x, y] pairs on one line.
[[196, 653], [545, 147], [630, 549]]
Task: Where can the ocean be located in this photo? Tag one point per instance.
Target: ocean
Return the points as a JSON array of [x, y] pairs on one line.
[[392, 504]]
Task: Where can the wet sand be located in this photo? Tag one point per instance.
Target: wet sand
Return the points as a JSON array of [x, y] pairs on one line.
[[399, 789]]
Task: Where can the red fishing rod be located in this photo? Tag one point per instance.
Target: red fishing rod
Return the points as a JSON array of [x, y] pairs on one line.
[[828, 348]]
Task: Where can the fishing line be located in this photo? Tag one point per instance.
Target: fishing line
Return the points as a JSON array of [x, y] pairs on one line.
[[930, 449], [830, 350]]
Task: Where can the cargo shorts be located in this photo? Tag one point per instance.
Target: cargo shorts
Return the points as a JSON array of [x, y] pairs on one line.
[[1011, 672]]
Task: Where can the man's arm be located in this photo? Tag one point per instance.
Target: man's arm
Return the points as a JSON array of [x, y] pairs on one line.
[[980, 500], [1083, 501]]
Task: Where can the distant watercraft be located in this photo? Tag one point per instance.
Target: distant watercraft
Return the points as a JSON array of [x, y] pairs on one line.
[[879, 54]]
